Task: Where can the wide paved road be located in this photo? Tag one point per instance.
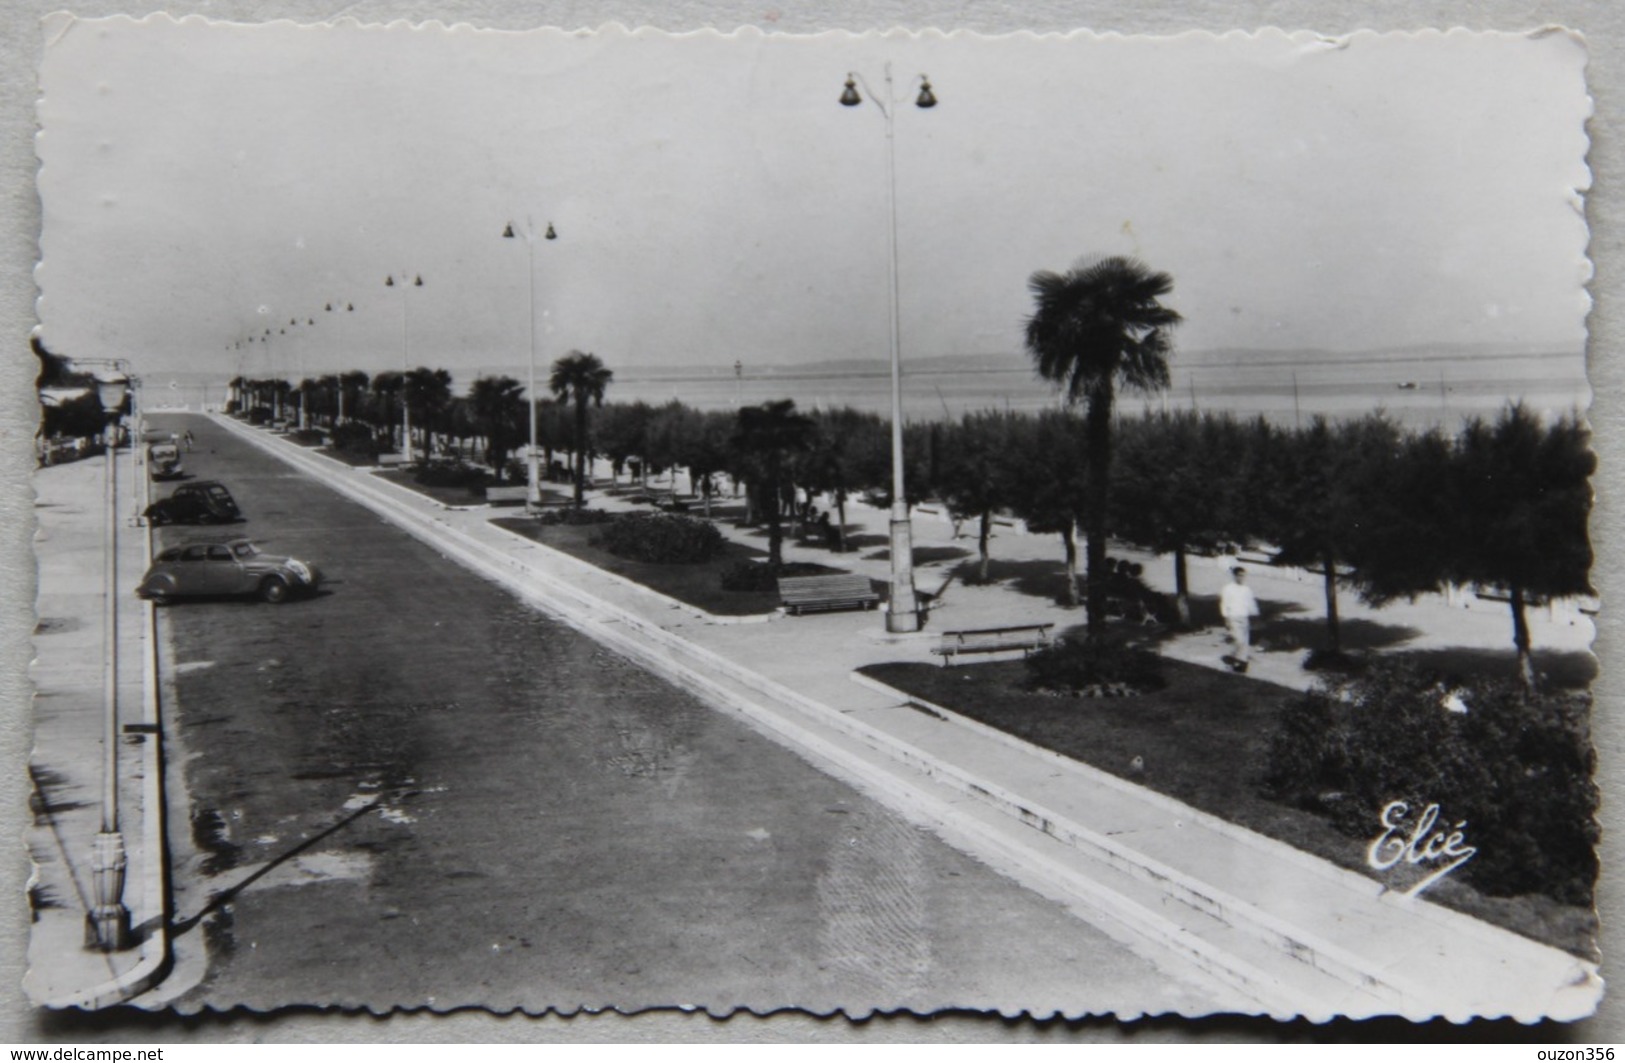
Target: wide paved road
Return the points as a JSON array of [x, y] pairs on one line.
[[553, 825]]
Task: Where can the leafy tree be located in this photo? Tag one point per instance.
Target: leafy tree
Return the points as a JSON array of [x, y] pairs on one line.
[[1404, 541], [623, 434], [706, 449], [1524, 500], [667, 439], [1095, 326], [838, 462], [767, 437], [1048, 480], [974, 475], [581, 379], [1172, 475], [1327, 477]]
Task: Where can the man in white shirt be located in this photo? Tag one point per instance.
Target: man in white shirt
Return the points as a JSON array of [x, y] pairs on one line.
[[1238, 607]]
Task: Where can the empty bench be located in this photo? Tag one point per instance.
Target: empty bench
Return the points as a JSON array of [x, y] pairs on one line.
[[845, 590], [1025, 637]]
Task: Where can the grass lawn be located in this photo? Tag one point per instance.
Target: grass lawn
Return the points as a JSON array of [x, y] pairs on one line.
[[449, 496], [349, 457], [1203, 740], [699, 585]]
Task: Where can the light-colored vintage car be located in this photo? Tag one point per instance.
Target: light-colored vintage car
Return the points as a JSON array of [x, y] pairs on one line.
[[224, 569]]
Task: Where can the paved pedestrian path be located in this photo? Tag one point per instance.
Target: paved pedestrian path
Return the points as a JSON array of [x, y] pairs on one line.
[[1285, 932], [66, 765]]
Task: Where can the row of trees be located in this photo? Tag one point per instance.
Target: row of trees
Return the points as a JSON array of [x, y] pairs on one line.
[[1377, 510], [1370, 506], [492, 416]]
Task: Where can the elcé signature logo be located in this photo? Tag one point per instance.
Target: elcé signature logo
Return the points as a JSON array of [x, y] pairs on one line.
[[1418, 843]]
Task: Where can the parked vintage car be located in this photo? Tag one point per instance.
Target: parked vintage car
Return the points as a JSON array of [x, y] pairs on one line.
[[164, 461], [204, 502], [232, 567]]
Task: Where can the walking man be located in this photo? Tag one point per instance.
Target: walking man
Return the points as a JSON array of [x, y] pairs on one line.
[[1238, 607]]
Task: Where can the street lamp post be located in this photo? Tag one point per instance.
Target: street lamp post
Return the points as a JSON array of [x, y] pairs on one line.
[[533, 489], [304, 392], [338, 378], [139, 499], [903, 610], [406, 362], [107, 925]]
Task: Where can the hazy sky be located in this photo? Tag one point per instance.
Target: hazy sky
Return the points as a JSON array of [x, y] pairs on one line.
[[202, 182]]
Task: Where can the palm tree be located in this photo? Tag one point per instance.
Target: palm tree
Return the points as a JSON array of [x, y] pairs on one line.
[[767, 437], [498, 406], [1096, 325], [428, 391], [581, 378], [386, 389], [352, 386]]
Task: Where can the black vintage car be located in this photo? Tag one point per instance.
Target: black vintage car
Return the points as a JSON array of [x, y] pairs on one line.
[[204, 502]]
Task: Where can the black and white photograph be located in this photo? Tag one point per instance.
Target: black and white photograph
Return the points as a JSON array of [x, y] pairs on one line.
[[1042, 524]]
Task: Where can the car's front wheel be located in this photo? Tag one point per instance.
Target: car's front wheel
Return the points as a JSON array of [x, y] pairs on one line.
[[274, 590], [161, 593]]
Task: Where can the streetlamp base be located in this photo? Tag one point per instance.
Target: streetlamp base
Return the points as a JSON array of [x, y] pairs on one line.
[[903, 610], [107, 925]]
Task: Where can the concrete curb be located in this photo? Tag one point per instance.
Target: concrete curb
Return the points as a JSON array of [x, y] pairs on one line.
[[1456, 922]]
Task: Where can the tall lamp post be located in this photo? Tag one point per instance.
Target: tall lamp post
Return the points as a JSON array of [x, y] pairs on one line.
[[339, 377], [107, 926], [304, 416], [406, 362], [903, 611], [533, 489], [139, 497]]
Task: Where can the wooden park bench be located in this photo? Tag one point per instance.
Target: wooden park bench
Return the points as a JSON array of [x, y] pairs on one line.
[[843, 590], [1023, 637]]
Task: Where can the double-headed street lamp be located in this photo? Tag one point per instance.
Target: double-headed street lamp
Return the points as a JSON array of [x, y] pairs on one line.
[[903, 611], [349, 307], [107, 925], [533, 489], [406, 362]]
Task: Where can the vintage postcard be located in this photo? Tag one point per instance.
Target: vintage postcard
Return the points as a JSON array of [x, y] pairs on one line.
[[571, 520]]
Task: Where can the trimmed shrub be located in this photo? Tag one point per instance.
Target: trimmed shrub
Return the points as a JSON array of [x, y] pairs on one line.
[[1517, 767], [310, 437], [451, 474], [761, 576], [353, 437], [572, 516], [1080, 665], [660, 539], [259, 415]]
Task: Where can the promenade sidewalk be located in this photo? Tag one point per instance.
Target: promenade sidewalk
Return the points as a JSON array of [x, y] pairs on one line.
[[1285, 932], [67, 761]]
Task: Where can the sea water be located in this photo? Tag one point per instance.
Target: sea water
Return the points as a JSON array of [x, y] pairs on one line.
[[1418, 387]]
